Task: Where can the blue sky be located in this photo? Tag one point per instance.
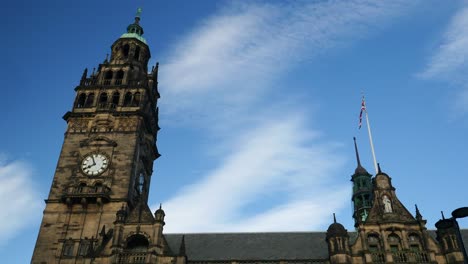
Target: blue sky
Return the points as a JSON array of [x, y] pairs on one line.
[[259, 104]]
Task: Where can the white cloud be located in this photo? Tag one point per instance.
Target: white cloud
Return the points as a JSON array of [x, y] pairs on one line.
[[18, 198], [235, 56], [451, 56], [450, 60], [278, 159], [221, 77]]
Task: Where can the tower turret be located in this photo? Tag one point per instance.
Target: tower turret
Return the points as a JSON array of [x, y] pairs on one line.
[[338, 243], [362, 190], [448, 239]]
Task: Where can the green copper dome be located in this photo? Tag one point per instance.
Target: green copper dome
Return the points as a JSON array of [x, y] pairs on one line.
[[135, 30]]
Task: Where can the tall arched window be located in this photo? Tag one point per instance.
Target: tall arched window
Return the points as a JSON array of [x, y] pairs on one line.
[[98, 187], [89, 100], [115, 99], [127, 99], [136, 56], [136, 99], [118, 77], [141, 182], [125, 50], [108, 77], [81, 100], [81, 187], [103, 100]]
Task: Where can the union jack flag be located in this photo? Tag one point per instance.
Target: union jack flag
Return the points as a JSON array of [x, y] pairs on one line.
[[363, 108]]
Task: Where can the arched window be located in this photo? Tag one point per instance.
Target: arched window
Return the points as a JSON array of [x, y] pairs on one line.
[[125, 50], [98, 187], [115, 99], [108, 75], [127, 99], [89, 100], [136, 99], [137, 243], [141, 182], [414, 242], [81, 100], [373, 242], [118, 77], [81, 187], [136, 56], [394, 242], [103, 100]]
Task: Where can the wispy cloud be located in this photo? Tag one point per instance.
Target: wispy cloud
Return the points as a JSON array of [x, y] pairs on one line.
[[18, 198], [271, 156], [451, 57], [278, 159], [235, 56], [450, 60]]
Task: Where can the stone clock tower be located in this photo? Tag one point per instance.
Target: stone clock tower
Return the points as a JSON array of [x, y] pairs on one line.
[[101, 182]]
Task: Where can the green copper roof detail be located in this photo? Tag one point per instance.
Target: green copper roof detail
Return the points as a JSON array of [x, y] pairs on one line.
[[133, 35], [135, 30]]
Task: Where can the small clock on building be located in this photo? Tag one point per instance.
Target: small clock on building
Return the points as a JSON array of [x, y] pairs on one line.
[[94, 164]]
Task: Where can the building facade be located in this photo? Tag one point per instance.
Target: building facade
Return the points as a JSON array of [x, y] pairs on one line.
[[97, 210]]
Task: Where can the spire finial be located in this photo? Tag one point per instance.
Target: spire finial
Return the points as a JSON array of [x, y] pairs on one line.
[[357, 153], [443, 216], [83, 77], [160, 206], [379, 171], [418, 214], [138, 15], [334, 218]]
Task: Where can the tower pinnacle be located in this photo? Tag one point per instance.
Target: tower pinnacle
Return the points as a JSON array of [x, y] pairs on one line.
[[359, 170], [138, 16]]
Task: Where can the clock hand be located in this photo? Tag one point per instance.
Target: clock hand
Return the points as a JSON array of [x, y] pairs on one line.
[[94, 162]]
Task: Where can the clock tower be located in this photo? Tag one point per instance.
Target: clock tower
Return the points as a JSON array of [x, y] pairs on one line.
[[106, 162]]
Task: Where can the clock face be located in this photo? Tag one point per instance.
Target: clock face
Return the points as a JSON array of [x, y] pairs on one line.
[[94, 164]]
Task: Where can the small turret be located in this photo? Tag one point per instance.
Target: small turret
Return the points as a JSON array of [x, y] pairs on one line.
[[159, 215], [121, 215], [338, 243]]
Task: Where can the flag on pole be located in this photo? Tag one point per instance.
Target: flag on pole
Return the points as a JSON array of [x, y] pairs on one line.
[[363, 108]]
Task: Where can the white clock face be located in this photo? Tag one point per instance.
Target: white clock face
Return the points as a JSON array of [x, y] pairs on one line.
[[94, 164]]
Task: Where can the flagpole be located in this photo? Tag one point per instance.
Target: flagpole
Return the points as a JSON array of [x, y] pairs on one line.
[[370, 138]]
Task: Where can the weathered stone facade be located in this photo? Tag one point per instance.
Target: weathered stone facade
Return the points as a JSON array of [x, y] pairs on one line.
[[97, 208]]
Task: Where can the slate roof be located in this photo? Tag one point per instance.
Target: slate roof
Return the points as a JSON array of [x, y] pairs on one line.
[[251, 246], [257, 246]]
